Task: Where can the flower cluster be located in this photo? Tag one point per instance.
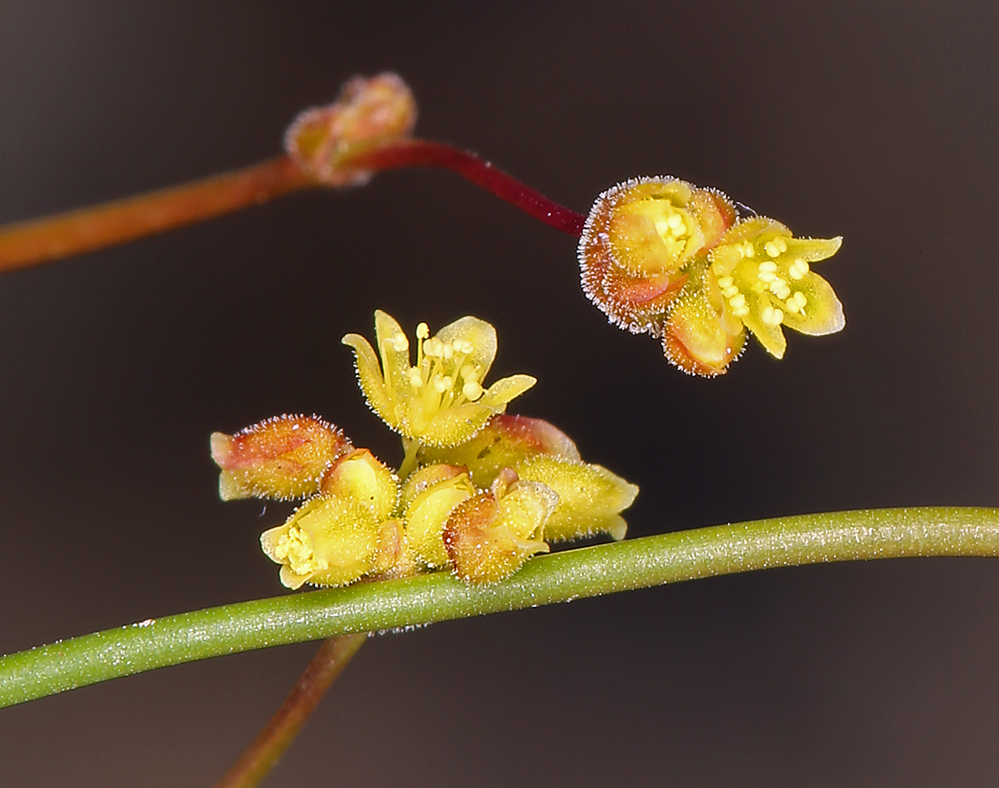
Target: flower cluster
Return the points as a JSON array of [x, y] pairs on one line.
[[664, 257], [479, 491]]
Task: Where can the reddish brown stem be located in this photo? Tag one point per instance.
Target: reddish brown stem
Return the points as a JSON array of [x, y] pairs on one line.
[[261, 756], [426, 153], [51, 238], [84, 230]]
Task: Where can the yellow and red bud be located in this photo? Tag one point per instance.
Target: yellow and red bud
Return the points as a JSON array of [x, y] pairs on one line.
[[368, 112], [283, 457], [359, 475], [701, 336], [502, 443], [490, 535]]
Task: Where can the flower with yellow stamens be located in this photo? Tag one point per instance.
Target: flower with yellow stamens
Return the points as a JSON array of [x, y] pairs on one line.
[[439, 401], [765, 277]]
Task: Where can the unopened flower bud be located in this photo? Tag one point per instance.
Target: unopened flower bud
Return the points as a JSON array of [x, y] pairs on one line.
[[392, 558], [590, 497], [424, 478], [502, 443], [427, 514], [283, 457], [489, 536], [328, 541], [368, 113], [360, 476]]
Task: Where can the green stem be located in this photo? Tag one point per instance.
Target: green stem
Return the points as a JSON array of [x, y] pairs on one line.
[[590, 571]]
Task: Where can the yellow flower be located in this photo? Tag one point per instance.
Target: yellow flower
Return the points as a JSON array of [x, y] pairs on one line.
[[765, 279], [441, 400]]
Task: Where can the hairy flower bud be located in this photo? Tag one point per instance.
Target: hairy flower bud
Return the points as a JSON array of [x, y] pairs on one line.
[[502, 443], [360, 476], [283, 457], [328, 541], [490, 535], [639, 237], [367, 113]]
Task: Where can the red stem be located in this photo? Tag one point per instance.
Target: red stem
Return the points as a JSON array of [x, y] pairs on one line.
[[426, 153]]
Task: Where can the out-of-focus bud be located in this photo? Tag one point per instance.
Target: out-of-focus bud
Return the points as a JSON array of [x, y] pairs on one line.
[[503, 442], [368, 113], [590, 497], [283, 457], [360, 476], [639, 237], [427, 514], [328, 541], [490, 535]]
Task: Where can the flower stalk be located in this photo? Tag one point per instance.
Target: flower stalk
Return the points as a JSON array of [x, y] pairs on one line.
[[560, 577]]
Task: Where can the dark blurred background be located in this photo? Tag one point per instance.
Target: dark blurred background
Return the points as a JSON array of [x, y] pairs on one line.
[[875, 121]]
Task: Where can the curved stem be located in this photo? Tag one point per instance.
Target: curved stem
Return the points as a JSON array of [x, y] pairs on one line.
[[426, 153], [24, 244], [75, 232], [561, 577], [261, 756]]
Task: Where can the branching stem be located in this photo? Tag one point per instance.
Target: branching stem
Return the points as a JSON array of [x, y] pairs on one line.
[[24, 244], [561, 577]]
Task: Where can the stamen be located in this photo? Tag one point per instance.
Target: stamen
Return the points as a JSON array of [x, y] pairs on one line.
[[798, 269], [800, 299], [737, 301], [422, 331], [768, 265], [771, 249], [472, 390], [725, 281]]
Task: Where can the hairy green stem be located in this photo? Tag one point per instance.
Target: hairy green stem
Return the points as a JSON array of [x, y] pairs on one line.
[[561, 577]]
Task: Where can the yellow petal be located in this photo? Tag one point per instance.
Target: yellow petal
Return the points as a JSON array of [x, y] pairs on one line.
[[369, 376], [455, 425], [769, 334], [506, 389], [822, 312], [480, 334], [393, 347]]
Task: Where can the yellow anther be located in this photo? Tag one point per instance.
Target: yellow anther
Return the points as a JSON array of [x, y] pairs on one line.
[[472, 390], [469, 373], [415, 378], [792, 305], [768, 265], [438, 384], [725, 281], [781, 244], [800, 300], [771, 249], [737, 301], [448, 351], [798, 269], [422, 331], [433, 348], [748, 249], [728, 292], [463, 346], [766, 276], [772, 317], [741, 311]]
